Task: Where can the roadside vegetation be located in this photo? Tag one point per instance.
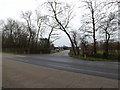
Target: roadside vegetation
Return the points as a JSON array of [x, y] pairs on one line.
[[92, 58], [56, 51], [87, 54], [96, 38]]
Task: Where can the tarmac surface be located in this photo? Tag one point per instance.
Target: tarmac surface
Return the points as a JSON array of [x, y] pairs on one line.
[[62, 61], [21, 74]]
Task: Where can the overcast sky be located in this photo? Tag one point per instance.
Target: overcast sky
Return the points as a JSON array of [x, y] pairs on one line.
[[13, 9]]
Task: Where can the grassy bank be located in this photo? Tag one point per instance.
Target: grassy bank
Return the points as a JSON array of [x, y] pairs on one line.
[[92, 58]]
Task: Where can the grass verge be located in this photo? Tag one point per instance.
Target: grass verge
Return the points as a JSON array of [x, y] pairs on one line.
[[92, 58]]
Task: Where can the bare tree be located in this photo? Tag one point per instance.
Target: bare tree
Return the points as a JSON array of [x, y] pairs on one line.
[[75, 38], [109, 27], [53, 35], [84, 44], [97, 12], [40, 20], [84, 38], [27, 17], [62, 14], [90, 5], [93, 18]]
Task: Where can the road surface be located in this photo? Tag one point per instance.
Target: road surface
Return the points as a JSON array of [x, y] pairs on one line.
[[62, 61]]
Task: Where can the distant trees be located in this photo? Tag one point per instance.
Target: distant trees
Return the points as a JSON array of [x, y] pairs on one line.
[[20, 37], [28, 36], [13, 35]]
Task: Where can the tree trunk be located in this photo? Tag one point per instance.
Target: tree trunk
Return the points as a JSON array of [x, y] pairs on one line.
[[38, 33], [73, 47], [93, 23], [48, 42], [29, 43], [37, 36], [107, 44], [77, 48], [78, 51], [63, 29]]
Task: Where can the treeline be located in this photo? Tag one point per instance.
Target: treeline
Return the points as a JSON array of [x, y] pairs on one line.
[[113, 50], [17, 38]]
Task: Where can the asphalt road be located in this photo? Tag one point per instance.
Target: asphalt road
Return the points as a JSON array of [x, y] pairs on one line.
[[62, 61]]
